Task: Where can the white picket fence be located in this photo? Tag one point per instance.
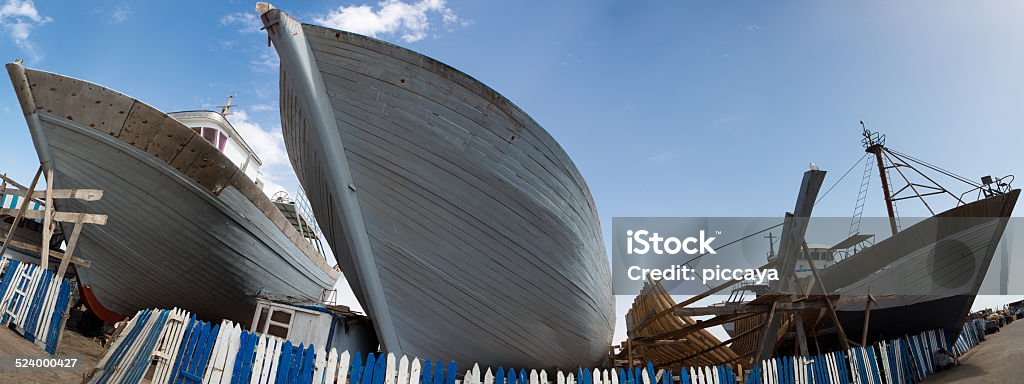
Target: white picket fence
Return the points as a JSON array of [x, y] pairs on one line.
[[186, 350]]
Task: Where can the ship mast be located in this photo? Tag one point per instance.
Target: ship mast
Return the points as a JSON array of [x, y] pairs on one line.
[[874, 143], [224, 109]]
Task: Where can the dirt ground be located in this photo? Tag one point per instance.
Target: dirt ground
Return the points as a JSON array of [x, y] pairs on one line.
[[73, 345], [996, 360]]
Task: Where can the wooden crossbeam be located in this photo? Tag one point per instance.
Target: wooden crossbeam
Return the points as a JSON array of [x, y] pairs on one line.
[[739, 308], [20, 211], [60, 256], [675, 334], [78, 194], [64, 217]]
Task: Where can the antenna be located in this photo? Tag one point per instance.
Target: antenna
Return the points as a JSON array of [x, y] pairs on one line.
[[224, 109]]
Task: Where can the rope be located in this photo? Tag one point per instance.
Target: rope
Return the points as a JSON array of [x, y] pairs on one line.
[[841, 178]]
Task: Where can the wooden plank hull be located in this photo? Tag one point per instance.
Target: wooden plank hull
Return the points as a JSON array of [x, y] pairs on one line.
[[177, 236], [469, 233]]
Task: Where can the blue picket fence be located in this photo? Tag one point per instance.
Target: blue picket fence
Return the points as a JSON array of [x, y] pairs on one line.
[[35, 301], [187, 350]]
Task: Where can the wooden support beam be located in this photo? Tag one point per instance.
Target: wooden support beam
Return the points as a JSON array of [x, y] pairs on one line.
[[60, 256], [48, 223], [20, 211], [739, 308], [70, 252], [801, 336], [64, 217], [679, 333], [843, 341], [766, 347], [77, 194], [716, 346], [867, 317]]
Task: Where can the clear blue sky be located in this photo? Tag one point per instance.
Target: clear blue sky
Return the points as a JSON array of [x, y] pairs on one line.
[[668, 108]]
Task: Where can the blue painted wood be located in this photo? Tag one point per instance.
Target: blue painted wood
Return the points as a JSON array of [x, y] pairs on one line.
[[499, 376], [450, 379], [356, 372], [651, 374], [513, 378], [583, 376], [241, 371], [115, 359], [371, 362], [284, 363], [8, 277], [426, 375], [201, 355], [622, 376], [668, 377], [187, 338], [143, 357], [35, 305], [57, 319], [631, 378], [439, 373], [379, 370]]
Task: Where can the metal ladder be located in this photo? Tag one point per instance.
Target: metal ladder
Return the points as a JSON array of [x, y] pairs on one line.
[[862, 197]]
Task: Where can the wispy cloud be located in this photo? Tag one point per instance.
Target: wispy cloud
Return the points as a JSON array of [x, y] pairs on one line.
[[268, 145], [19, 18], [753, 27], [120, 13], [662, 158], [409, 21], [247, 22], [262, 108], [265, 62]]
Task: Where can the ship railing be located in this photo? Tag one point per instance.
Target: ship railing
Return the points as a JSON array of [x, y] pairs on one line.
[[989, 187]]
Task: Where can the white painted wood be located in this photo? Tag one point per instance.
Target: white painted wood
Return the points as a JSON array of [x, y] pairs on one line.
[[390, 369], [614, 376], [403, 370], [476, 373], [559, 378], [570, 378], [343, 367], [414, 371], [257, 365], [489, 376], [534, 377], [543, 377]]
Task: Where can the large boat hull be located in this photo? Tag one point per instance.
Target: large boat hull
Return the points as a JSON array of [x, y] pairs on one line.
[[930, 272], [469, 234], [170, 241]]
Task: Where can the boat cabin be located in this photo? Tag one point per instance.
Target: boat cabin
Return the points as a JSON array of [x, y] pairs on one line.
[[216, 129]]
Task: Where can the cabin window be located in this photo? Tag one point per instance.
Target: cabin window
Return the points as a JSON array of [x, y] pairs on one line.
[[274, 321], [214, 136]]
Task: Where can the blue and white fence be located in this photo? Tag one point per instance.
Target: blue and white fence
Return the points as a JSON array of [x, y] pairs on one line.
[[34, 301], [187, 350]]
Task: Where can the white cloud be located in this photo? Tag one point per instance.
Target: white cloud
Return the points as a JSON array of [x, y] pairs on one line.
[[266, 62], [410, 21], [19, 17], [262, 108], [120, 14], [247, 21], [269, 146]]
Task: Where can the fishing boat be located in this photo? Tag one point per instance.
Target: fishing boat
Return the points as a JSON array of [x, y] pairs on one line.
[[464, 229], [921, 277], [188, 224]]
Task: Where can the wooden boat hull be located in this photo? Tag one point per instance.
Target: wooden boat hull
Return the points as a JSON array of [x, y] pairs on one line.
[[191, 236], [469, 233]]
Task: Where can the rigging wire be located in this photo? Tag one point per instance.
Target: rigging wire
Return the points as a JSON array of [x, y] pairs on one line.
[[841, 178], [936, 168], [736, 241]]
